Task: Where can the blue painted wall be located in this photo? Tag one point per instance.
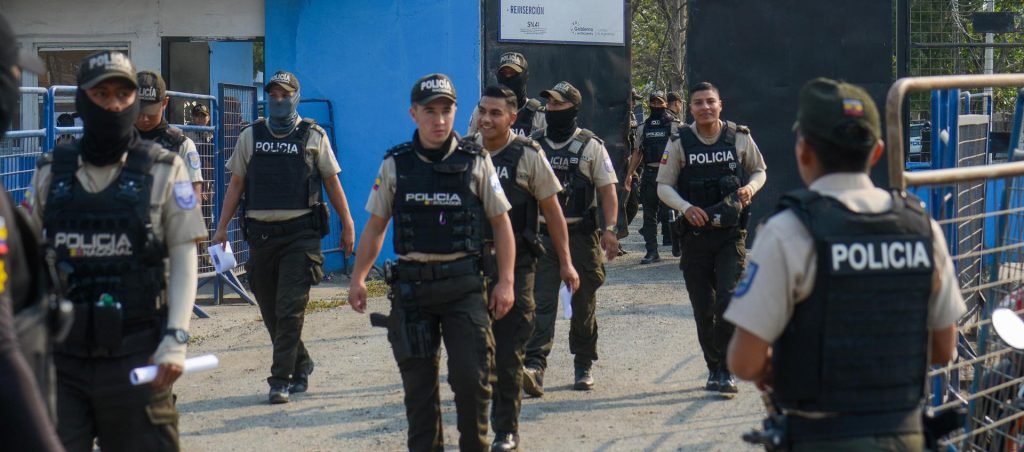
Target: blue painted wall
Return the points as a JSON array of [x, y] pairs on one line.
[[364, 56], [230, 62]]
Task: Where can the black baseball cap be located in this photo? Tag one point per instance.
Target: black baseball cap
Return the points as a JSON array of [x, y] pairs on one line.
[[431, 87], [200, 109], [656, 95], [674, 96], [152, 91], [514, 60], [828, 107], [285, 79], [563, 92], [103, 65]]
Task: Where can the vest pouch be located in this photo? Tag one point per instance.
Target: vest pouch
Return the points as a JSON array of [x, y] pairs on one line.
[[107, 323], [321, 219]]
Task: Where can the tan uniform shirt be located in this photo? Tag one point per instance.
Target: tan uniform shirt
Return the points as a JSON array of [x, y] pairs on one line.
[[534, 173], [782, 265], [485, 185], [193, 164], [594, 164], [539, 122], [638, 138], [172, 222], [318, 151], [673, 160]]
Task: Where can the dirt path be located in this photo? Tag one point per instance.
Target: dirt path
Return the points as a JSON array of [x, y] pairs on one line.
[[649, 393]]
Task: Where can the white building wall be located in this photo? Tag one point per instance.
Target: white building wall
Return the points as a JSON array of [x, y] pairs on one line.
[[138, 23]]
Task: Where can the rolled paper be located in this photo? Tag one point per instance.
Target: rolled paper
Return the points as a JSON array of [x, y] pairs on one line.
[[146, 374]]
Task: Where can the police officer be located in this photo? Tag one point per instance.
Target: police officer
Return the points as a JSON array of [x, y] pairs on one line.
[[24, 424], [280, 164], [120, 215], [629, 195], [649, 146], [513, 72], [675, 105], [582, 165], [440, 191], [710, 172], [154, 127], [531, 187], [812, 316], [200, 116]]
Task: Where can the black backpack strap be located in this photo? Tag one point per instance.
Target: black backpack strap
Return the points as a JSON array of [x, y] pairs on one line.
[[62, 171], [799, 202], [688, 138], [173, 138], [398, 150]]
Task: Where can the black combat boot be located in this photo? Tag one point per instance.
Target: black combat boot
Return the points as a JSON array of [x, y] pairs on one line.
[[727, 383], [651, 257], [533, 381], [714, 381], [300, 381], [505, 441], [584, 379], [278, 394]]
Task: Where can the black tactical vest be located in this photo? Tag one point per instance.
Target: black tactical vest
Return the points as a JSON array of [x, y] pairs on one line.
[[105, 246], [435, 209], [524, 119], [656, 134], [705, 165], [524, 213], [859, 343], [277, 176], [171, 139], [578, 191]]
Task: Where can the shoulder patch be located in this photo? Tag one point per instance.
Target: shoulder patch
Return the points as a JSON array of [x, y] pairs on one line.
[[184, 195], [470, 146], [398, 150], [747, 279], [193, 160]]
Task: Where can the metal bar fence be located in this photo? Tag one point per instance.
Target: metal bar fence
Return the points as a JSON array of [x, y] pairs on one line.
[[988, 378]]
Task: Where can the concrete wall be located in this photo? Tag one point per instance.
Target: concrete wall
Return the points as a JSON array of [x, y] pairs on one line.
[[364, 56], [138, 23]]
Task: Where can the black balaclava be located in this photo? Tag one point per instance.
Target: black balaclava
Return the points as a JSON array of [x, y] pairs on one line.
[[516, 83], [657, 112], [156, 132], [107, 135], [282, 113], [434, 155], [561, 124]]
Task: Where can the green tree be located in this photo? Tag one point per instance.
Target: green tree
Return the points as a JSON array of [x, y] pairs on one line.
[[658, 44]]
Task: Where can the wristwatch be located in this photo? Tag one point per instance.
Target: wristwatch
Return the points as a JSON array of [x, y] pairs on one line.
[[610, 228], [180, 336]]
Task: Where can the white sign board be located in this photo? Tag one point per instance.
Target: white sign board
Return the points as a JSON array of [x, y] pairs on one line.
[[601, 22]]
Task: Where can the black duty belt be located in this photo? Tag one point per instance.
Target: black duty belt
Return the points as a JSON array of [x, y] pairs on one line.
[[277, 228], [582, 227], [651, 169], [432, 271], [853, 425]]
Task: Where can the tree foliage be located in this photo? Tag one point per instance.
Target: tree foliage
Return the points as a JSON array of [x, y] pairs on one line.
[[658, 44]]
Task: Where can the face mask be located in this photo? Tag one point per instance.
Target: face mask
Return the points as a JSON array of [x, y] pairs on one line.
[[561, 124], [155, 132], [657, 112], [516, 83], [282, 113], [108, 135]]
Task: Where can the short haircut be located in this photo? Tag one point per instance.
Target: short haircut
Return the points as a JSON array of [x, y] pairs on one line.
[[704, 86], [836, 158], [502, 92]]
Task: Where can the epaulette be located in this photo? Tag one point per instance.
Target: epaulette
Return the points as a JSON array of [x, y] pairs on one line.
[[399, 150], [470, 146], [743, 129], [174, 137], [316, 127], [159, 153], [527, 143], [533, 105], [44, 159], [588, 134], [258, 121]]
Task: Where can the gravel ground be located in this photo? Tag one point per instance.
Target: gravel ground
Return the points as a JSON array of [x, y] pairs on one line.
[[649, 393]]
